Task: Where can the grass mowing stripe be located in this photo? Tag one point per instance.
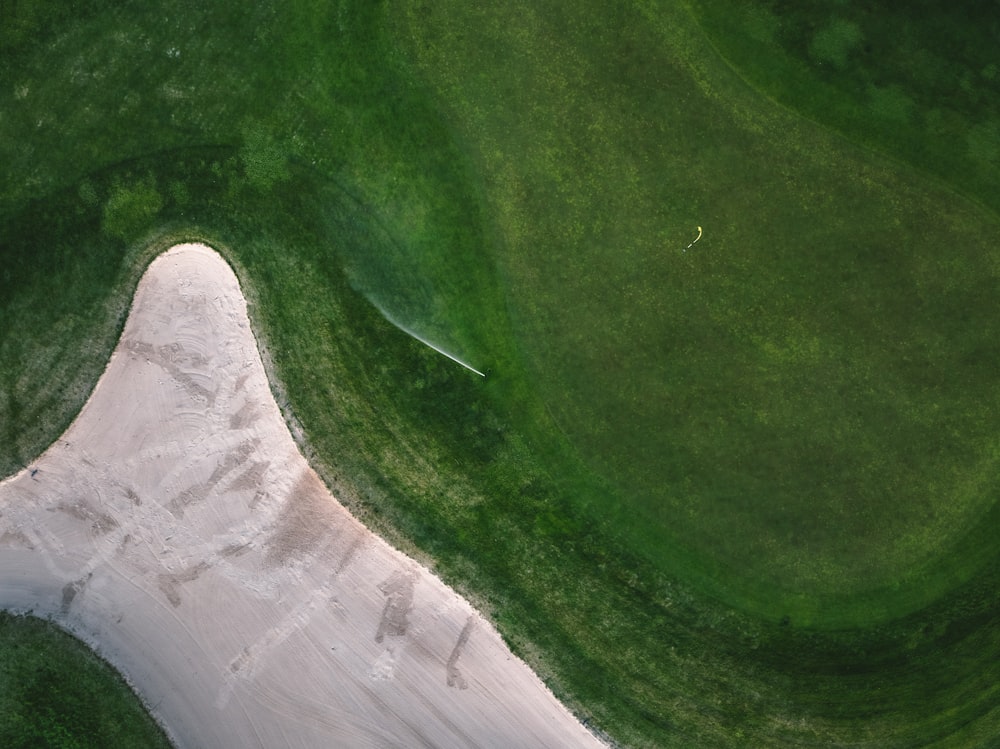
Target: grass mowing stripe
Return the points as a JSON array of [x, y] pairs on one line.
[[918, 82], [773, 402], [468, 474]]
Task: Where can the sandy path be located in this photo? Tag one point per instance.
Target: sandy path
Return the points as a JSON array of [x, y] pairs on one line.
[[176, 528]]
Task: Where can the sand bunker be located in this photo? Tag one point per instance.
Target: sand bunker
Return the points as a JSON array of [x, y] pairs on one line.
[[176, 528]]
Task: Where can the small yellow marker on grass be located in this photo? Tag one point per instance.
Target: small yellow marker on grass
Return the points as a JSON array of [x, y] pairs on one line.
[[695, 240]]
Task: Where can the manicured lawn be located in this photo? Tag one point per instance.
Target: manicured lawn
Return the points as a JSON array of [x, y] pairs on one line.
[[742, 494], [54, 692], [769, 405], [919, 81]]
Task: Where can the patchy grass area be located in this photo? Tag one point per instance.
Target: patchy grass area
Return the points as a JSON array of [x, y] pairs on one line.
[[739, 495], [55, 692]]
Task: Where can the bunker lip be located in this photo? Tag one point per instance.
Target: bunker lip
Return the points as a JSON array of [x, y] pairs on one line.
[[176, 528]]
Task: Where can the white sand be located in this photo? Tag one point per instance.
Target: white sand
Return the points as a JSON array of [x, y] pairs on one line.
[[176, 528]]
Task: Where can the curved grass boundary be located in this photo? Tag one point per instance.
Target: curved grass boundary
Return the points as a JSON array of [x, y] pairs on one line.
[[919, 86], [469, 475], [56, 692], [768, 410]]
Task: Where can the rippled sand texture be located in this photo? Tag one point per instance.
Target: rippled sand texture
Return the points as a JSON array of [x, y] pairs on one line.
[[176, 528]]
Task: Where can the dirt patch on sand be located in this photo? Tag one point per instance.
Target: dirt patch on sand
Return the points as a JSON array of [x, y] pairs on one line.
[[398, 592], [306, 516]]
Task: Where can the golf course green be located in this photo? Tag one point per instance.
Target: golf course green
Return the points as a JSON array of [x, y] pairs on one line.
[[731, 476]]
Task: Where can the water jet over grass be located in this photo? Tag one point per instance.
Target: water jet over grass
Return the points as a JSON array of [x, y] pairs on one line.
[[768, 516]]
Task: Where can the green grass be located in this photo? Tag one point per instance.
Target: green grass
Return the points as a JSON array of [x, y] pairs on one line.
[[741, 495], [919, 81], [55, 692], [770, 405]]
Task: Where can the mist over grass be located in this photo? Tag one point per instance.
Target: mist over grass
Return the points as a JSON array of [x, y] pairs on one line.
[[737, 495]]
